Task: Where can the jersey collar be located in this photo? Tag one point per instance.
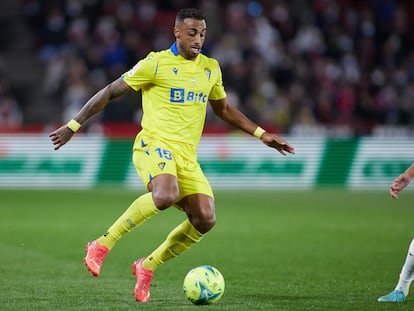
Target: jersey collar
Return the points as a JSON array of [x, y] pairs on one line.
[[174, 49]]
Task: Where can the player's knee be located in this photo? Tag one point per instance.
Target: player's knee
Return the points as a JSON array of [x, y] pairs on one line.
[[204, 224], [164, 200]]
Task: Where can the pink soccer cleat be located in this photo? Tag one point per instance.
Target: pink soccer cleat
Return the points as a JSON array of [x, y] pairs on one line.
[[144, 277], [95, 256]]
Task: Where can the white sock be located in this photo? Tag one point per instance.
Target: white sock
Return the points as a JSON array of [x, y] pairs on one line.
[[407, 271]]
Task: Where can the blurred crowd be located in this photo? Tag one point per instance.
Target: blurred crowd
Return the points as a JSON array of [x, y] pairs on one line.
[[11, 114], [295, 64]]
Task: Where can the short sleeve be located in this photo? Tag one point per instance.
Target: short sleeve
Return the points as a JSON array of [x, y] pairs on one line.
[[142, 73], [218, 92]]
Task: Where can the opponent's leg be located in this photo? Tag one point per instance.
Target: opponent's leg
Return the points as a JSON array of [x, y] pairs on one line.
[[406, 277]]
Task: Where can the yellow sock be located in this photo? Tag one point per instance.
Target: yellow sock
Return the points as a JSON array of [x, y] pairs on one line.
[[138, 212], [177, 242]]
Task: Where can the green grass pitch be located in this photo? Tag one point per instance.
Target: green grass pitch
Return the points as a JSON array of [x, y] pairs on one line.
[[283, 250]]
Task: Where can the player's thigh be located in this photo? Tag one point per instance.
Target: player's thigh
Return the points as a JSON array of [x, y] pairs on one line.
[[191, 178], [152, 157], [164, 188]]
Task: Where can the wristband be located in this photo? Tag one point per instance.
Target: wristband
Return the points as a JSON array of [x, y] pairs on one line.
[[73, 125], [258, 132]]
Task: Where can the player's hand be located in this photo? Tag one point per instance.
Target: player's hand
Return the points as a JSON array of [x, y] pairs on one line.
[[61, 136], [278, 143], [399, 184]]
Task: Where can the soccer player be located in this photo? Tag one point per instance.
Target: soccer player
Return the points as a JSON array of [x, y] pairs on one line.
[[407, 272], [176, 86]]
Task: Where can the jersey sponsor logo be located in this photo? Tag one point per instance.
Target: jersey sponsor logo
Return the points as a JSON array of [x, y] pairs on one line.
[[179, 96]]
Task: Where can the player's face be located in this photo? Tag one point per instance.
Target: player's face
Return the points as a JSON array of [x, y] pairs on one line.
[[190, 37]]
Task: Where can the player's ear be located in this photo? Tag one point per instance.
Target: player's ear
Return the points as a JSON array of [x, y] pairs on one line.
[[176, 32]]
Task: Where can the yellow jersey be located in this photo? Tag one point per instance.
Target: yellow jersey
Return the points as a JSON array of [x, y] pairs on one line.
[[175, 92]]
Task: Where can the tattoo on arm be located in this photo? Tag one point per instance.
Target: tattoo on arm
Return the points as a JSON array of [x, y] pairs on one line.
[[98, 102]]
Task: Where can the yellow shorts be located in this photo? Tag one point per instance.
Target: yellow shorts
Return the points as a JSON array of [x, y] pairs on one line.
[[153, 156]]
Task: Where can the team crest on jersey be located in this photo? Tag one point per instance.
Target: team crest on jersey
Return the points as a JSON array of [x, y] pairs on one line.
[[175, 70], [208, 72], [161, 165]]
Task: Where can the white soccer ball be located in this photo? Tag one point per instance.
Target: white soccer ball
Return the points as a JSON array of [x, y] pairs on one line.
[[204, 285]]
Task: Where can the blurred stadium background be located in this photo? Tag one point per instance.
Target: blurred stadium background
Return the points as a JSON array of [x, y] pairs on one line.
[[334, 77]]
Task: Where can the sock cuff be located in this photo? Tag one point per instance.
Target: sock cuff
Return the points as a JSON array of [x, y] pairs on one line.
[[192, 233], [147, 205]]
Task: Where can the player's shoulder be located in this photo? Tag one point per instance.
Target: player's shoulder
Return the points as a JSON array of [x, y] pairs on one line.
[[160, 58], [151, 56], [163, 54], [154, 58], [212, 62]]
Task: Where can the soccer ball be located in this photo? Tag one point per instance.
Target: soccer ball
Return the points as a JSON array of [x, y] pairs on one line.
[[203, 285]]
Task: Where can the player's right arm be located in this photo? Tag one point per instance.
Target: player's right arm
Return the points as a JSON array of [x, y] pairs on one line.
[[402, 181], [95, 104]]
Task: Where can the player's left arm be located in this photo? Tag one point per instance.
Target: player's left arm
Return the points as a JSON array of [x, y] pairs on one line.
[[223, 109]]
